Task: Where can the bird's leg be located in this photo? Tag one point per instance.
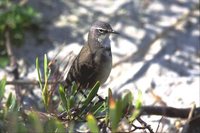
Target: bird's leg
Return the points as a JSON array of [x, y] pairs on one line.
[[100, 98], [81, 91]]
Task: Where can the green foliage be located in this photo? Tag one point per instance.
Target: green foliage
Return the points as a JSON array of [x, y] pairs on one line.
[[54, 126], [3, 59], [97, 107], [14, 18], [112, 111], [9, 101], [137, 107], [64, 98], [117, 108], [45, 93], [12, 119], [47, 71], [35, 123], [74, 107], [92, 123], [2, 87], [37, 65], [91, 95], [72, 99]]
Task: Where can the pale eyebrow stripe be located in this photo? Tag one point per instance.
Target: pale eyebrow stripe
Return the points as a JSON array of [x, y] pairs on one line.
[[98, 28]]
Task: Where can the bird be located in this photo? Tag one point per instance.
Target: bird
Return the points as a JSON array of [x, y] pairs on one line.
[[94, 61]]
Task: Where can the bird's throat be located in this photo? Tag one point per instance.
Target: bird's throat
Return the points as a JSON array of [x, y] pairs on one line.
[[104, 41]]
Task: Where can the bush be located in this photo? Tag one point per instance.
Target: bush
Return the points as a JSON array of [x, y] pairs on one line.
[[14, 19]]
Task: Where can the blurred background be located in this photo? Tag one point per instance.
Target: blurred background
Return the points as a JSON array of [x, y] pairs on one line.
[[157, 52]]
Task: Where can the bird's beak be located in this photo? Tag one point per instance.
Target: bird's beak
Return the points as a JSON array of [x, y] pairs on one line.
[[114, 32]]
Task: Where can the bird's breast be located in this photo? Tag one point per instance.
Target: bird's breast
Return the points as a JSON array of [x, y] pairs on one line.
[[103, 61]]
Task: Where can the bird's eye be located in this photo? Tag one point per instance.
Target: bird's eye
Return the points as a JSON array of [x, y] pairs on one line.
[[101, 31]]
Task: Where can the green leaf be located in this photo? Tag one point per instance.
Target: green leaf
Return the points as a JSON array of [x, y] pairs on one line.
[[2, 87], [4, 61], [71, 101], [30, 11], [116, 109], [21, 128], [139, 100], [119, 110], [45, 95], [45, 92], [137, 107], [92, 123], [59, 127], [107, 106], [54, 126], [9, 101], [63, 97], [113, 113], [127, 100], [35, 122], [74, 88], [91, 94], [45, 68], [38, 71], [95, 109]]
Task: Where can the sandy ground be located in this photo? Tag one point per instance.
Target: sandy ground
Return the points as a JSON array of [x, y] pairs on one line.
[[167, 68]]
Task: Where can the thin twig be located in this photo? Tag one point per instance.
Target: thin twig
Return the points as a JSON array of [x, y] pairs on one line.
[[191, 112], [136, 128], [187, 125], [148, 127], [9, 49], [159, 124], [13, 63]]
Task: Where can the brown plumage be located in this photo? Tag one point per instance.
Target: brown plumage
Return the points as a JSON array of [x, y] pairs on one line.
[[94, 62]]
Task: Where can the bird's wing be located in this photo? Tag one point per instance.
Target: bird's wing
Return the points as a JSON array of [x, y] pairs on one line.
[[82, 70]]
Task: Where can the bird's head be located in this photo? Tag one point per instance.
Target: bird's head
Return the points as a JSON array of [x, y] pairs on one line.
[[100, 32]]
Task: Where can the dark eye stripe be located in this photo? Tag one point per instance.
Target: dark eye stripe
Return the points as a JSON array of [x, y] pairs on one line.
[[103, 31]]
